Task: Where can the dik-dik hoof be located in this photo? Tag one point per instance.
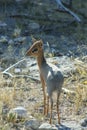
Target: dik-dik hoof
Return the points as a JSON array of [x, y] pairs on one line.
[[59, 122], [50, 121]]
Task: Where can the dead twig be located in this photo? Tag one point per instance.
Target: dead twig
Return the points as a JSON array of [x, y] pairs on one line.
[[6, 70], [66, 91], [16, 76], [68, 10]]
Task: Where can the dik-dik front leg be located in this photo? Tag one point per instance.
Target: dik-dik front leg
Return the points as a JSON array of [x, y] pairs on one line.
[[58, 113], [44, 92]]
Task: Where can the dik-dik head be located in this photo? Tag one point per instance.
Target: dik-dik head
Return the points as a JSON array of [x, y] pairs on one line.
[[35, 49]]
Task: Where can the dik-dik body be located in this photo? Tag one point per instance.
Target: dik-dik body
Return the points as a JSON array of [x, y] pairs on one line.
[[50, 76]]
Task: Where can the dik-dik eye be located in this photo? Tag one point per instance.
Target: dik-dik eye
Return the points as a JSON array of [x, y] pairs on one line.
[[41, 45], [34, 50]]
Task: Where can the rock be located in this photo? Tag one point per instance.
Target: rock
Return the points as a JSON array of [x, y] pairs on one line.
[[32, 124], [65, 64], [4, 39], [1, 68], [11, 42], [20, 40], [34, 26], [83, 122], [70, 125], [16, 32], [2, 24], [17, 70], [46, 126], [17, 114]]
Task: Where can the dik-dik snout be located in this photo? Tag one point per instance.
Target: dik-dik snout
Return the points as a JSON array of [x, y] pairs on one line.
[[35, 49]]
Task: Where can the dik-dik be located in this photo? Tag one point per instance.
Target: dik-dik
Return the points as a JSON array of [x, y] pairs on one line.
[[50, 76]]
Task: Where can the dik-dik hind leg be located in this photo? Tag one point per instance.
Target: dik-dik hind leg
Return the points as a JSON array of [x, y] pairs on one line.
[[47, 105], [44, 92], [58, 113], [51, 110]]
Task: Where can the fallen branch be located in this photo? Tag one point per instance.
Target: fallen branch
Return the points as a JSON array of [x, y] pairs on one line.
[[68, 10], [9, 74], [5, 71], [66, 91], [15, 76]]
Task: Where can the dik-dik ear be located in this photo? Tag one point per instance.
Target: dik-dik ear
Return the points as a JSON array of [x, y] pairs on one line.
[[41, 43], [33, 39]]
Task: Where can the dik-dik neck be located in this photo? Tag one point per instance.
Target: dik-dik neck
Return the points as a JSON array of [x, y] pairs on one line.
[[41, 59]]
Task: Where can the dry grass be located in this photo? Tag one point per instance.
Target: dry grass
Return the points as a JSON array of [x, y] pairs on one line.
[[23, 92], [81, 87], [77, 82], [81, 96]]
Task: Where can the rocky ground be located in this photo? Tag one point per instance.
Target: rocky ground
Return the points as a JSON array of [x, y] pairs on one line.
[[65, 44]]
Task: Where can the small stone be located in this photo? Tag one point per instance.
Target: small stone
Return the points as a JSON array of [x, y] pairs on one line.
[[34, 26], [31, 117], [1, 68], [83, 122], [11, 42], [46, 126], [17, 70], [3, 39], [32, 124], [19, 40], [17, 114], [70, 125], [2, 24], [17, 32]]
